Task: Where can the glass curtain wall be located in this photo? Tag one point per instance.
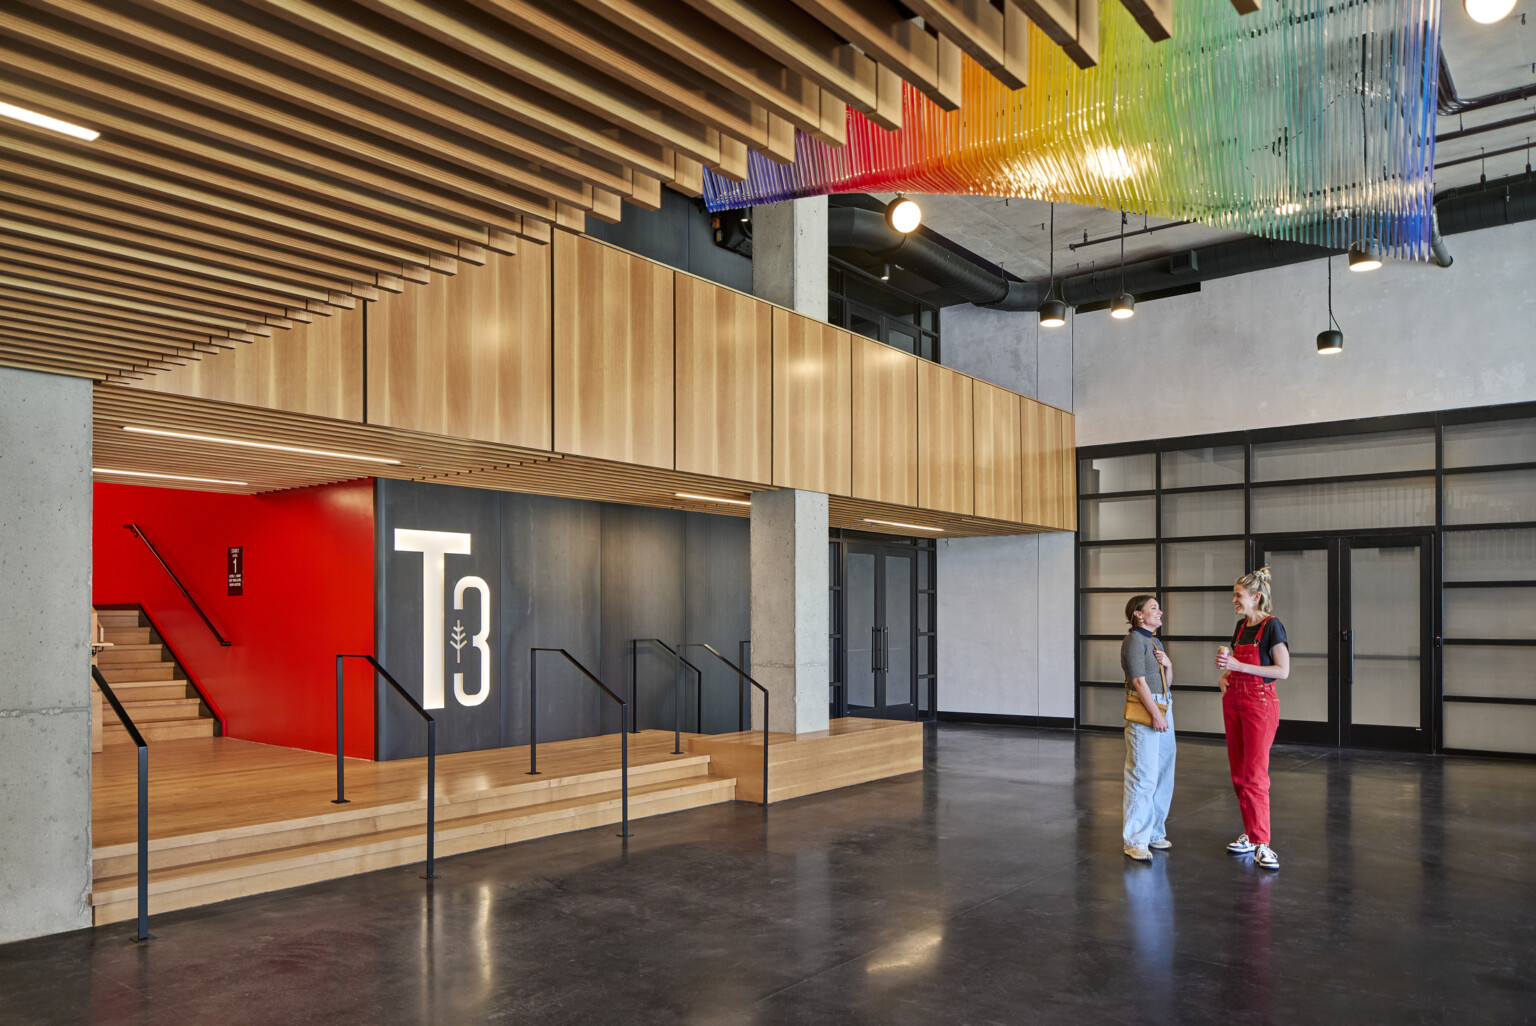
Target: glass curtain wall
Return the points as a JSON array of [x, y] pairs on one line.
[[1344, 513]]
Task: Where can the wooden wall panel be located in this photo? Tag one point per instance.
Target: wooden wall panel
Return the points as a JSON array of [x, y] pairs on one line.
[[884, 423], [467, 355], [724, 382], [945, 472], [1049, 490], [812, 405], [613, 353], [1067, 460], [310, 368], [999, 449]]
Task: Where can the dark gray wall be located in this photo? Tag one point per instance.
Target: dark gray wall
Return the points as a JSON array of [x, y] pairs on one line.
[[678, 235], [584, 576]]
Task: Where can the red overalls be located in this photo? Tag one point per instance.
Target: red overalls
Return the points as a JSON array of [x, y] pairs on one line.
[[1251, 711]]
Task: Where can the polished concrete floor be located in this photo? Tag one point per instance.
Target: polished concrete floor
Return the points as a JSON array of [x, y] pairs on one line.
[[988, 889]]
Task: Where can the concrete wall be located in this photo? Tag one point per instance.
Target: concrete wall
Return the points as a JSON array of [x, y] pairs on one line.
[[1005, 604], [1241, 353], [45, 626]]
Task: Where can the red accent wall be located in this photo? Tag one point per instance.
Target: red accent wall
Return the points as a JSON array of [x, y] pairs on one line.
[[308, 595]]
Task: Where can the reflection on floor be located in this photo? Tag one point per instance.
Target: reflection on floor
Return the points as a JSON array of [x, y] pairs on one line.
[[988, 889]]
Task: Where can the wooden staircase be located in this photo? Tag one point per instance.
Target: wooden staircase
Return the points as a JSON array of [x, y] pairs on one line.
[[149, 682]]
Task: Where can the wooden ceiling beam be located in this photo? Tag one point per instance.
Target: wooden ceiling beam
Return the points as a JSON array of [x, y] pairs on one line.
[[155, 314], [1154, 16], [21, 327], [73, 343], [67, 319], [86, 352], [982, 31], [1070, 24], [18, 321], [31, 266], [900, 44], [92, 364]]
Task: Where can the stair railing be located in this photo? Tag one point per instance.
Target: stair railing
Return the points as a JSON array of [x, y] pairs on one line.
[[143, 746], [744, 675], [677, 687], [533, 727], [341, 773], [741, 686], [191, 677], [139, 533]]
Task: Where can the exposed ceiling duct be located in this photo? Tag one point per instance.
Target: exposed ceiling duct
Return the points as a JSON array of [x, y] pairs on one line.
[[1506, 201]]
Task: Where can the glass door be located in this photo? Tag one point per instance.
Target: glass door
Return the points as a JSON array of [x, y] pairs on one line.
[[1357, 615], [880, 590]]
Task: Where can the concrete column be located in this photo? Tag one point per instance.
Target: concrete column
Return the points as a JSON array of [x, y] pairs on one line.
[[45, 626], [789, 254], [791, 610]]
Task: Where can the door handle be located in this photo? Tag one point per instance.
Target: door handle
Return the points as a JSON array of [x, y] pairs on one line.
[[874, 650], [885, 649]]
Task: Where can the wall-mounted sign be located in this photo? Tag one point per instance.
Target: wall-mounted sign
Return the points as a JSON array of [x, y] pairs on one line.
[[236, 569], [433, 546]]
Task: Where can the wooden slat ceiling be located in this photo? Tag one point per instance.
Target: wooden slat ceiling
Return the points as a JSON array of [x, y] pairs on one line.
[[263, 162], [423, 457]]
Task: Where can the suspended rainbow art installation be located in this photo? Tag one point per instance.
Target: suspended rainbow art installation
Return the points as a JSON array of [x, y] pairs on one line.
[[1310, 120]]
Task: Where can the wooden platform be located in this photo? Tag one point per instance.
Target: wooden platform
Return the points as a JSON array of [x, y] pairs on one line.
[[851, 751]]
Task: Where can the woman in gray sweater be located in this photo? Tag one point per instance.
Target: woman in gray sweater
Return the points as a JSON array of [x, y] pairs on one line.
[[1149, 750]]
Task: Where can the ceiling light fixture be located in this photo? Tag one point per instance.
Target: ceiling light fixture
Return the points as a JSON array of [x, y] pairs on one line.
[[32, 117], [1365, 256], [910, 527], [1124, 305], [260, 445], [166, 477], [1486, 12], [885, 272], [1053, 312], [1331, 341], [713, 498], [903, 215]]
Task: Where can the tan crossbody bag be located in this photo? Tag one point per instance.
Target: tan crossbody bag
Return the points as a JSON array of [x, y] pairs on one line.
[[1136, 712]]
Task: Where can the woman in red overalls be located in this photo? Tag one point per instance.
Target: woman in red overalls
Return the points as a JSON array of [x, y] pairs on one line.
[[1251, 709]]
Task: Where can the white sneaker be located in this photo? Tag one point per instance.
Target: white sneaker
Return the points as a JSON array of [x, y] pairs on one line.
[[1162, 845], [1264, 856], [1138, 852], [1241, 846]]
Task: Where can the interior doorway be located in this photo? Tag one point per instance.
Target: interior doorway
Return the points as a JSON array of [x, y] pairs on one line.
[[883, 632]]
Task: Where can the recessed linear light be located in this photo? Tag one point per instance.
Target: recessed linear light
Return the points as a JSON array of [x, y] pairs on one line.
[[167, 477], [260, 445], [713, 498], [32, 117], [911, 527]]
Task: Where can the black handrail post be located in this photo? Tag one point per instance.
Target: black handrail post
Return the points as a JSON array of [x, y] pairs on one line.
[[143, 843], [766, 722], [431, 799], [624, 721], [741, 684], [677, 708], [341, 772], [634, 683], [624, 716], [750, 680], [533, 712]]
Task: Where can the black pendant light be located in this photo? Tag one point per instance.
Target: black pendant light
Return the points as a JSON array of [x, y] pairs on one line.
[[1124, 305], [1053, 312], [1331, 341]]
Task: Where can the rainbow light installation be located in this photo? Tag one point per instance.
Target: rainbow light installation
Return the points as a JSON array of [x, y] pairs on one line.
[[1310, 121]]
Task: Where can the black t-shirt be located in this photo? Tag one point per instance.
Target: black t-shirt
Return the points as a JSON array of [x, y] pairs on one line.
[[1271, 634]]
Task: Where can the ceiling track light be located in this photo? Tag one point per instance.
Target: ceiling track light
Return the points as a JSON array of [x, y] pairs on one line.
[[259, 445], [1331, 341], [1365, 256], [1053, 312], [910, 527], [713, 498], [169, 477], [885, 272], [903, 215], [1124, 306]]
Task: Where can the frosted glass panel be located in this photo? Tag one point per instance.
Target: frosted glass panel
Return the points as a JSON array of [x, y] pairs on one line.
[[1490, 728], [1489, 612], [1120, 566], [1197, 711], [1300, 589], [1192, 468], [1384, 606], [1101, 661], [1201, 613], [1190, 564], [1489, 555], [1488, 671], [1117, 474], [1490, 498], [1103, 707], [1284, 509], [1194, 662], [1479, 445], [1352, 454], [1114, 519], [1188, 514], [1105, 614]]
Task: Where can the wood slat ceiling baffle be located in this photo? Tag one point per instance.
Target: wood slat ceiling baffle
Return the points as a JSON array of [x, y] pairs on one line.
[[423, 457], [262, 162]]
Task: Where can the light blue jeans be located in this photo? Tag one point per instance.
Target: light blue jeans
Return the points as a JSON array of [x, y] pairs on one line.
[[1149, 756]]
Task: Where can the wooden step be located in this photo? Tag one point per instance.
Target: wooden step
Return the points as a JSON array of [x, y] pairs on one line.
[[114, 897], [155, 710], [165, 730], [133, 654], [130, 635], [110, 618], [131, 672], [129, 691], [341, 821]]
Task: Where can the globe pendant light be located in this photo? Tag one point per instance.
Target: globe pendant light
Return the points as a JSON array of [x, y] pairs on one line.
[[1486, 12], [1331, 341], [1053, 312], [903, 215], [1124, 305]]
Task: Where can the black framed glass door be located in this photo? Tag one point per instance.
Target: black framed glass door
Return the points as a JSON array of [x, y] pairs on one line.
[[880, 595], [1357, 610]]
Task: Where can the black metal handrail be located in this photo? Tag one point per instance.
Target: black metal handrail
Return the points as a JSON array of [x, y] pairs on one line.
[[139, 533], [341, 759], [743, 675], [741, 686], [533, 727], [143, 746], [677, 686]]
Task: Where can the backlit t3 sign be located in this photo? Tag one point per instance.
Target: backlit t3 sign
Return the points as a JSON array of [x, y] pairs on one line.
[[433, 546]]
